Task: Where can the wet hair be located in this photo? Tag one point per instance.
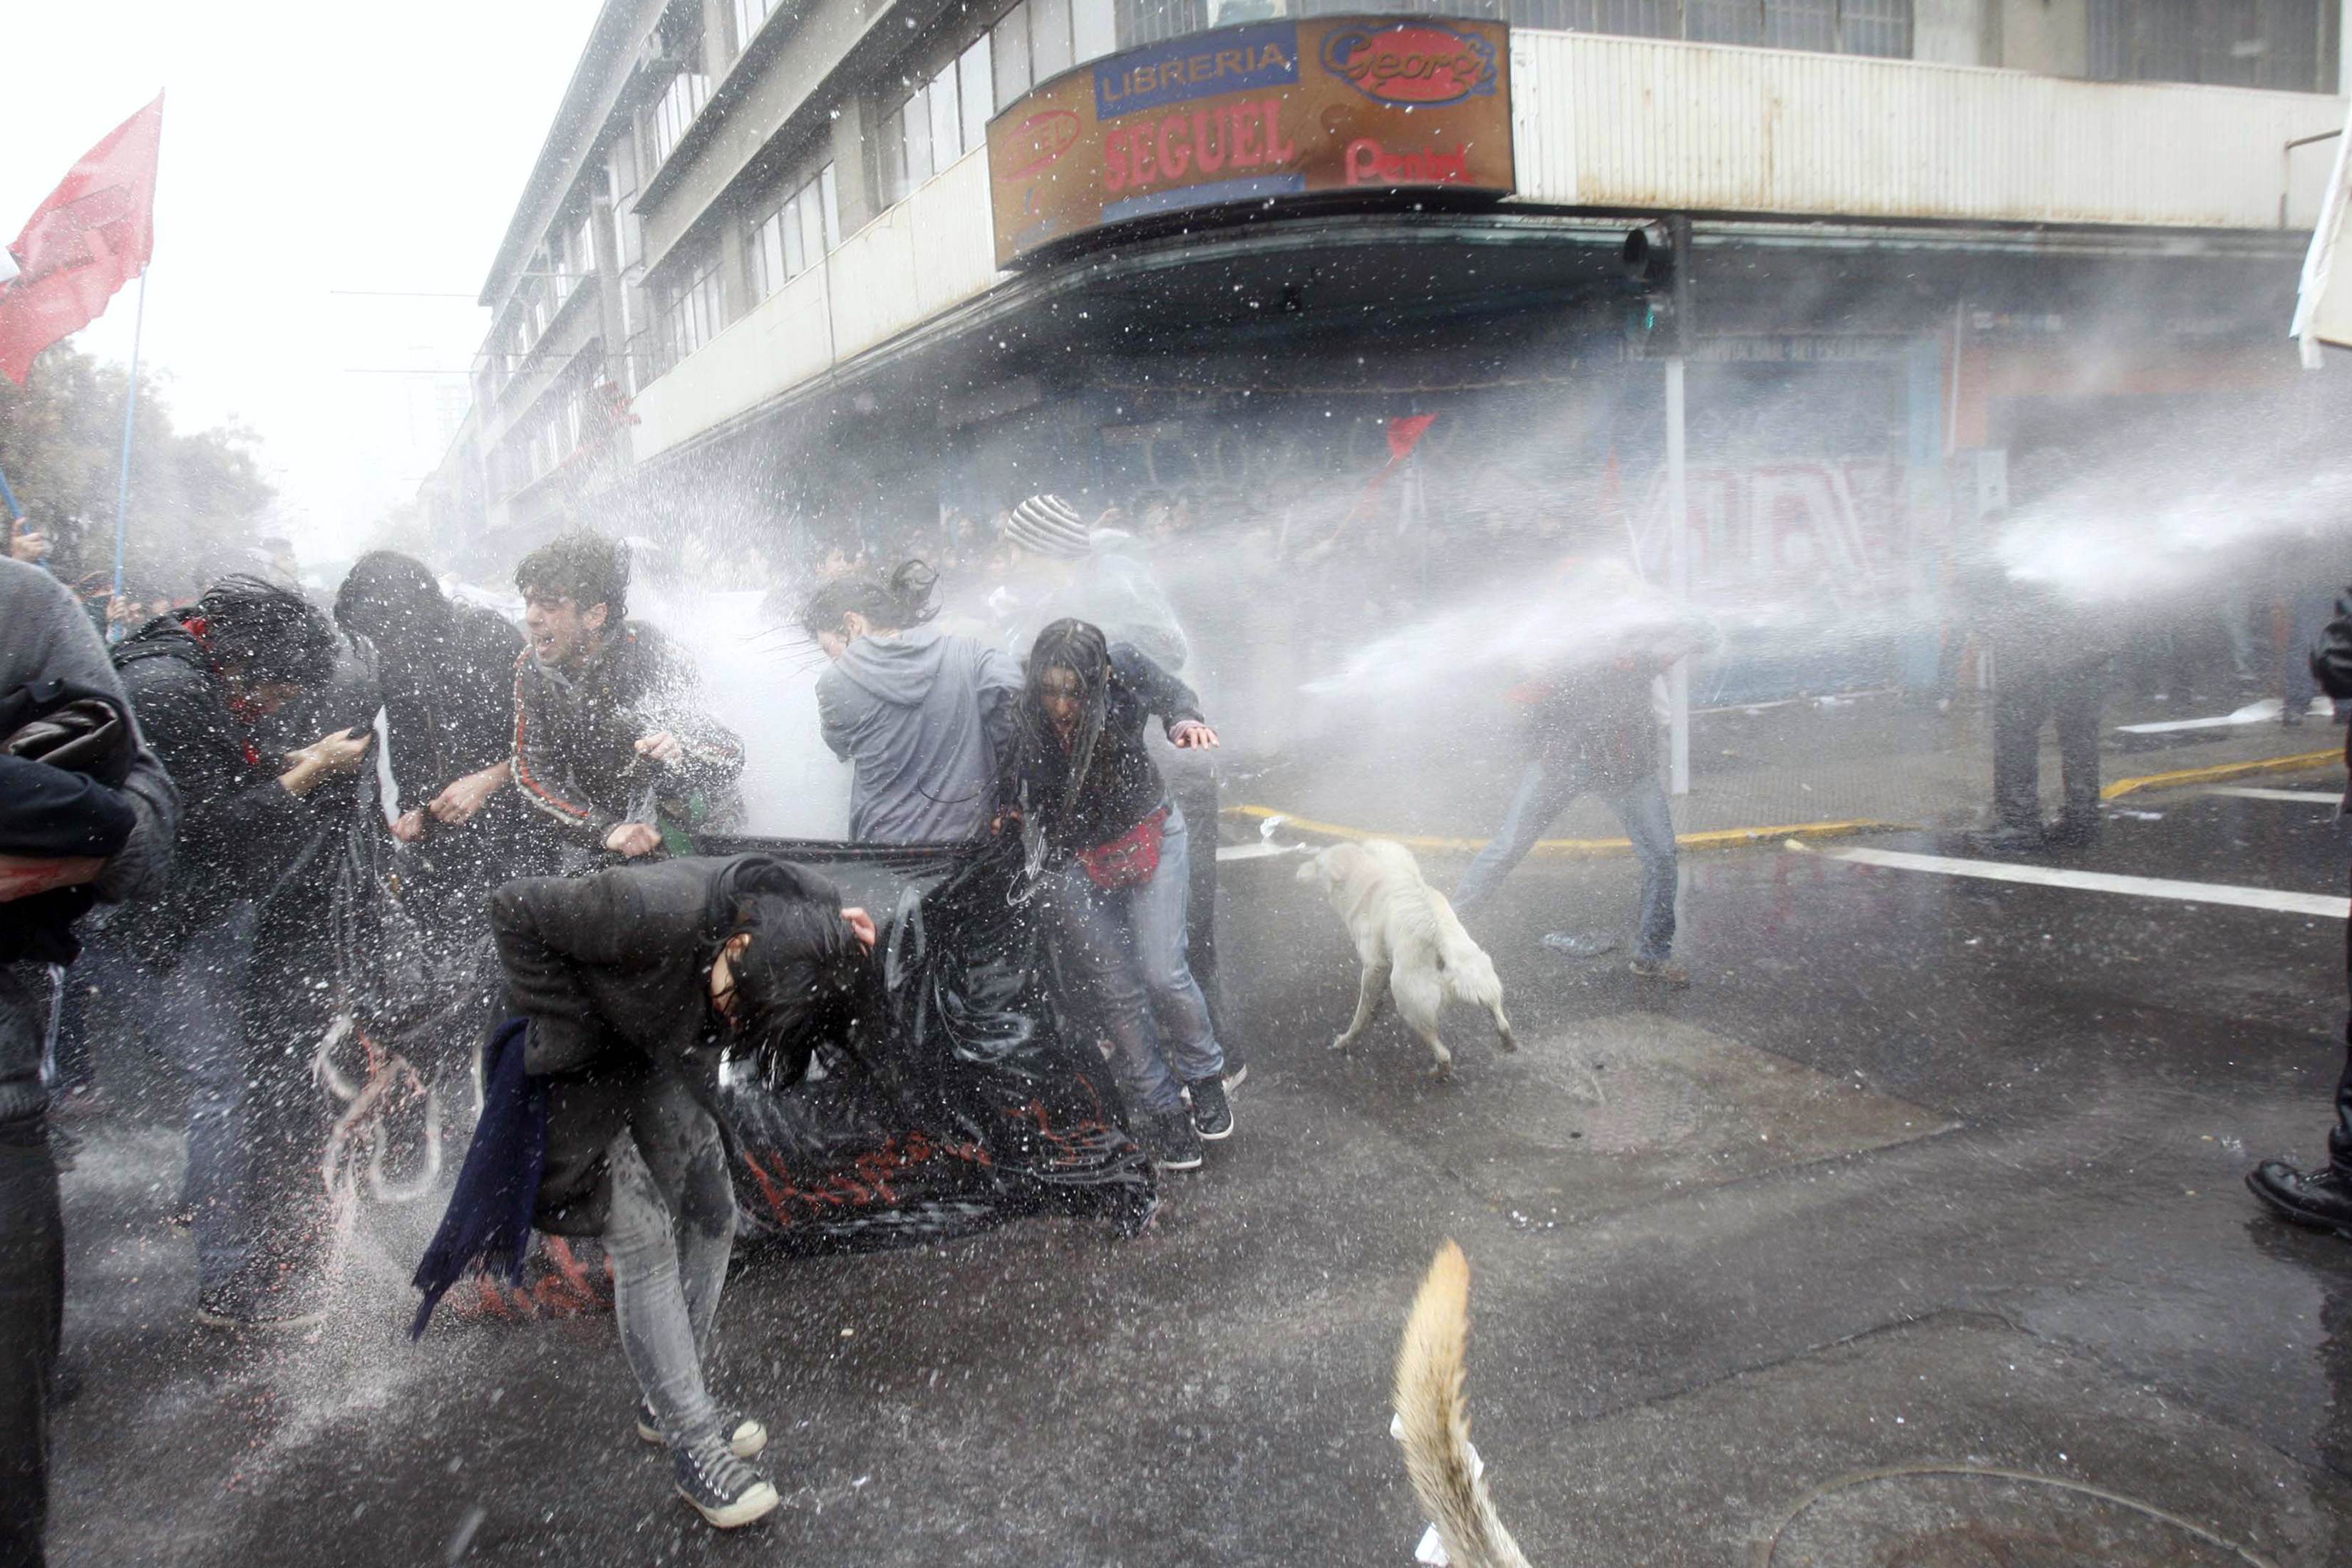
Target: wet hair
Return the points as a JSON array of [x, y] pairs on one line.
[[388, 594], [805, 979], [1083, 650], [585, 567], [268, 634], [890, 601]]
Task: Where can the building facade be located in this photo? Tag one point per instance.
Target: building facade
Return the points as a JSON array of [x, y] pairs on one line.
[[753, 290]]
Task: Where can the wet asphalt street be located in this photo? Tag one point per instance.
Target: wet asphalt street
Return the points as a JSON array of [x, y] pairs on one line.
[[1913, 1232]]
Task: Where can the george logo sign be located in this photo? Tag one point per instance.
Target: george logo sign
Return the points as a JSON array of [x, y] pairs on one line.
[[1423, 63], [1254, 114]]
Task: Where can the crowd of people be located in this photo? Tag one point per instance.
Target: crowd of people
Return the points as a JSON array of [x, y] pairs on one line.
[[547, 791]]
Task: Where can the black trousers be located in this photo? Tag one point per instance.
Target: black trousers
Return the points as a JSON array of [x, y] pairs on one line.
[[2070, 695], [2339, 1134], [32, 1308]]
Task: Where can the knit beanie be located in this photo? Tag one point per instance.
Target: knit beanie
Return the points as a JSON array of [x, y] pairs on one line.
[[1048, 525]]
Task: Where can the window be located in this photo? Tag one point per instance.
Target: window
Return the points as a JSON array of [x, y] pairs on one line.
[[944, 118], [2288, 45], [688, 307], [796, 236], [680, 102], [1039, 37], [748, 14]]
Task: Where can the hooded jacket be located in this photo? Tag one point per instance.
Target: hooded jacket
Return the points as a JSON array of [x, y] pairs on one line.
[[922, 719], [239, 826], [614, 972]]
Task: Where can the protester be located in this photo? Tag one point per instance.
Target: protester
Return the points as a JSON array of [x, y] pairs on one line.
[[239, 919], [610, 738], [1593, 725], [1065, 570], [921, 717], [447, 674], [636, 981], [88, 815], [2050, 665], [2322, 1198], [1098, 816]]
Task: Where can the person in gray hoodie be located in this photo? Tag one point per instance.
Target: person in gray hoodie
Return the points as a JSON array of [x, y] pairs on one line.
[[921, 717]]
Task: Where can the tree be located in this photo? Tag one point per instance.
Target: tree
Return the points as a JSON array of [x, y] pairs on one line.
[[194, 499]]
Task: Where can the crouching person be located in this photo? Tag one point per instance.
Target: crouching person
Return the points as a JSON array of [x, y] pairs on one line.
[[1098, 814], [636, 982]]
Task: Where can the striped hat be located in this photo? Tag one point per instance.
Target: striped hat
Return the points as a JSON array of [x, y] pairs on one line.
[[1048, 525]]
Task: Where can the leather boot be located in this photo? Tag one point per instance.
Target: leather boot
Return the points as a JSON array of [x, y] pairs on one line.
[[2321, 1199]]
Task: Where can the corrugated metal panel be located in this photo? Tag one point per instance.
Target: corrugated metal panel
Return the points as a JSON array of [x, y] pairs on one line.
[[1643, 122]]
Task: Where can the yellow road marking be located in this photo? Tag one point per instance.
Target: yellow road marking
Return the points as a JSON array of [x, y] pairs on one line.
[[2217, 772], [1714, 838]]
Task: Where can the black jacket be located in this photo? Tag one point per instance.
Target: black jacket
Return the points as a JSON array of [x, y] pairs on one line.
[[1122, 785], [2331, 664], [575, 739], [614, 972], [240, 828], [449, 704]]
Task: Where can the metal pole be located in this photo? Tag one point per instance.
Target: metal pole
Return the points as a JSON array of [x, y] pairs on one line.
[[8, 500], [1678, 511], [129, 406]]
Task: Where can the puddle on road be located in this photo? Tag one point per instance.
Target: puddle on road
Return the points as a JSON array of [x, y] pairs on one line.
[[1619, 1111]]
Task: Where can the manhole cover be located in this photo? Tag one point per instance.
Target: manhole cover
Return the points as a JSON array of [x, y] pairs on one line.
[[1975, 1519]]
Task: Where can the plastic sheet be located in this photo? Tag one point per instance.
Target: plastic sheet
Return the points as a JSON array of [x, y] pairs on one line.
[[970, 1101]]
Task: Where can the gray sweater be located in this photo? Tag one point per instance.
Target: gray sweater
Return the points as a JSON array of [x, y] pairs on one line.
[[922, 718], [45, 636]]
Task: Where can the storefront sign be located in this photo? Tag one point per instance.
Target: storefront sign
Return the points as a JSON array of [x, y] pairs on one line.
[[1252, 114]]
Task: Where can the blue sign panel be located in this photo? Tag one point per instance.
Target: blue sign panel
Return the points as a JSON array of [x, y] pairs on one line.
[[1236, 59]]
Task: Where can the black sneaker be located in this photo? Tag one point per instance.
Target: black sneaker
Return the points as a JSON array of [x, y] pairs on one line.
[[1170, 1139], [1212, 1114], [2321, 1199], [745, 1435], [722, 1489]]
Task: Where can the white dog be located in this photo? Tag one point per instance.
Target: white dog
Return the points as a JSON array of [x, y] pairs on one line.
[[1410, 941]]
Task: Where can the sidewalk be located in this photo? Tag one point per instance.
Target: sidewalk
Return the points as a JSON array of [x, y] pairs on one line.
[[1842, 764]]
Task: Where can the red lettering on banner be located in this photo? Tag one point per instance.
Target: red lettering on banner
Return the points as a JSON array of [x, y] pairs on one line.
[[1277, 151], [1243, 118], [1175, 157], [1139, 149], [1206, 158], [1115, 160], [1369, 164]]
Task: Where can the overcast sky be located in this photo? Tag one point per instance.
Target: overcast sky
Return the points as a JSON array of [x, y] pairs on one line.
[[311, 152]]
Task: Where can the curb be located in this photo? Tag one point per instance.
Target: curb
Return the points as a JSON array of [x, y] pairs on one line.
[[1713, 839], [2218, 771]]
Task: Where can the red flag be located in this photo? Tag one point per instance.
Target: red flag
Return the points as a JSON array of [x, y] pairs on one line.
[[92, 236], [1405, 433]]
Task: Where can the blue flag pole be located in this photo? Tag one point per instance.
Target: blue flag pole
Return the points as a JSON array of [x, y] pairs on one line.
[[129, 406], [8, 500]]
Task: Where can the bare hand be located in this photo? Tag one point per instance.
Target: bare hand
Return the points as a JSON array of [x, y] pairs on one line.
[[1192, 735], [27, 544], [408, 826], [632, 839], [861, 925], [661, 746], [336, 752], [22, 875], [461, 801]]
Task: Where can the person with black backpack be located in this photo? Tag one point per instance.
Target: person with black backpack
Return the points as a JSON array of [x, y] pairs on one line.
[[86, 814]]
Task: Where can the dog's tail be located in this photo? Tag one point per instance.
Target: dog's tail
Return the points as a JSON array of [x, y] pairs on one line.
[[1469, 973], [1434, 1423]]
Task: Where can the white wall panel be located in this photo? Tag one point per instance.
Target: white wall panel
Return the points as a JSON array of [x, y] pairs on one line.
[[1640, 123]]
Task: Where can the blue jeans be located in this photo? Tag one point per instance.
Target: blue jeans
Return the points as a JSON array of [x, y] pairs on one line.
[[202, 1033], [670, 1232], [1545, 791], [1126, 950]]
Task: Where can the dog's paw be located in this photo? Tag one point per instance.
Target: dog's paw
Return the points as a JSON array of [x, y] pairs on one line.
[[1508, 1041], [1341, 1042], [1442, 1072]]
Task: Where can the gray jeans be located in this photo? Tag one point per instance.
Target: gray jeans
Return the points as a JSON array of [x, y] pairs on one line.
[[1544, 793], [201, 1030], [1126, 949], [669, 1233]]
